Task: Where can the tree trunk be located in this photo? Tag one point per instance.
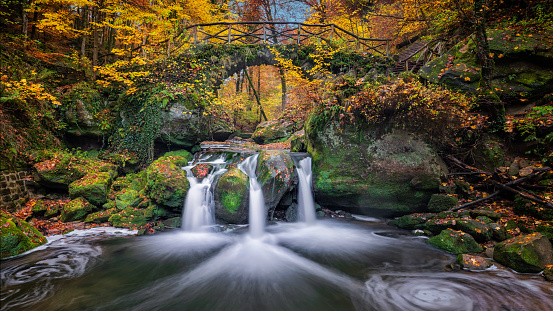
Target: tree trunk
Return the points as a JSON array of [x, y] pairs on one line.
[[282, 75], [95, 43], [24, 20]]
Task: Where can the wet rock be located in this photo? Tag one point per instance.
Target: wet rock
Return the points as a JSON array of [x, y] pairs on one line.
[[478, 230], [100, 216], [456, 242], [173, 222], [548, 273], [276, 175], [298, 142], [526, 207], [525, 253], [17, 236], [76, 209], [440, 203], [473, 263], [232, 197], [412, 221], [292, 213]]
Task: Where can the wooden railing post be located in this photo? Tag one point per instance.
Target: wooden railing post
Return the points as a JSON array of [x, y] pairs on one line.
[[195, 34], [264, 34], [387, 48], [229, 33], [331, 32], [299, 33]]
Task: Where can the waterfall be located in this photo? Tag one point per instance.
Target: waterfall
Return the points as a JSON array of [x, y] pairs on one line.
[[199, 205], [306, 204], [257, 202]]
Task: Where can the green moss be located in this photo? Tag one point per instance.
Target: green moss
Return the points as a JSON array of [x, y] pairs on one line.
[[456, 242], [412, 221], [17, 236], [525, 253], [76, 209], [101, 216], [232, 188], [526, 207], [128, 198], [479, 230], [440, 203], [166, 182], [93, 187]]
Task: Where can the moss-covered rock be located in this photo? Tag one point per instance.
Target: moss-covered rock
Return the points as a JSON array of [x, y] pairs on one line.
[[17, 236], [546, 229], [478, 230], [438, 225], [298, 142], [499, 233], [440, 203], [275, 174], [526, 207], [166, 181], [519, 60], [93, 187], [456, 242], [128, 198], [101, 216], [365, 170], [548, 273], [76, 209], [274, 130], [412, 221], [525, 253], [231, 197], [485, 212], [136, 217]]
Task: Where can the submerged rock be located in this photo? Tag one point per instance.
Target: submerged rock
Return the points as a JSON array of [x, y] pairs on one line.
[[525, 253], [364, 169], [17, 236], [456, 242]]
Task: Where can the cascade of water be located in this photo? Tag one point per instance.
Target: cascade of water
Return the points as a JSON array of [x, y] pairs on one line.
[[257, 202], [199, 205], [306, 204]]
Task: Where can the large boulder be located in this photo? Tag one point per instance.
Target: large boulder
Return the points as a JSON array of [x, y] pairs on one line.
[[274, 130], [93, 187], [457, 242], [276, 175], [17, 236], [166, 181], [232, 197], [525, 253], [185, 126], [370, 170], [522, 65], [76, 209]]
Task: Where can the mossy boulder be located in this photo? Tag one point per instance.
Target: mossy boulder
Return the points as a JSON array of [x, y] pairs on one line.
[[480, 231], [410, 222], [76, 209], [364, 170], [100, 216], [274, 130], [184, 126], [548, 273], [499, 233], [232, 197], [17, 236], [93, 187], [298, 142], [490, 155], [275, 174], [166, 181], [45, 209], [519, 58], [136, 217], [546, 229], [457, 242], [524, 206], [128, 198], [525, 253], [440, 203]]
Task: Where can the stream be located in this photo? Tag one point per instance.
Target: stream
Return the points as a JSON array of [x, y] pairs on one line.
[[333, 264]]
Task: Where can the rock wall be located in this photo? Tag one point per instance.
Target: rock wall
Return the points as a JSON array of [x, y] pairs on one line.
[[12, 188]]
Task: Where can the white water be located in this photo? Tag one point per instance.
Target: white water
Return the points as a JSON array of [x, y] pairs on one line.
[[257, 202], [198, 210], [306, 204]]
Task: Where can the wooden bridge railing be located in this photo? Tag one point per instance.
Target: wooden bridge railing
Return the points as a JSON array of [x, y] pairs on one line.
[[279, 33]]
